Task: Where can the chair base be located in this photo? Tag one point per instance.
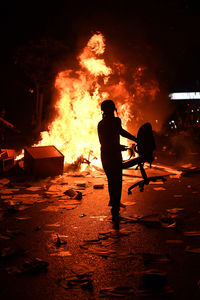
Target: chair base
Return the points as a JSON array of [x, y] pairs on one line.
[[146, 181]]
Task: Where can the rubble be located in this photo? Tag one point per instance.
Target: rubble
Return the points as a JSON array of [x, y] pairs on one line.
[[159, 189], [74, 282], [175, 210], [82, 269], [23, 218], [190, 249], [61, 253], [30, 266], [59, 195], [192, 233], [9, 252], [154, 258], [98, 186], [73, 194], [117, 291]]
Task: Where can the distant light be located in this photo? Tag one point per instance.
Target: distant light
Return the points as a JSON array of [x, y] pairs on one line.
[[31, 91], [185, 96]]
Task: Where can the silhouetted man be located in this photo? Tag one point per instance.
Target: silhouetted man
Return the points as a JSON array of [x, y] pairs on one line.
[[109, 131]]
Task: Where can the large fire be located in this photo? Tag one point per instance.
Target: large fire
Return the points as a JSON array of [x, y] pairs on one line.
[[74, 131]]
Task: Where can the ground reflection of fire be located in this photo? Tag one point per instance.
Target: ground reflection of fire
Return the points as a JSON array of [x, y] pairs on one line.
[[74, 131]]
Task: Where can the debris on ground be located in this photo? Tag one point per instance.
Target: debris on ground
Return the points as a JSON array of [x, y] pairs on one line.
[[159, 221], [168, 222], [189, 249], [192, 233], [127, 203], [73, 194], [151, 220], [70, 192], [61, 253], [154, 258], [4, 181], [102, 252], [159, 188], [132, 219], [81, 277], [9, 252], [175, 210], [117, 291], [81, 184], [4, 237], [100, 218], [71, 282], [30, 266], [98, 186], [82, 269], [83, 215], [23, 218], [60, 241]]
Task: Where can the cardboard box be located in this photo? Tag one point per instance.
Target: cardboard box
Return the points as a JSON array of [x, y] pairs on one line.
[[43, 161], [6, 164], [7, 159]]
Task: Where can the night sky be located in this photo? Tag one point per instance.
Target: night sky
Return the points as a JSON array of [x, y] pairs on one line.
[[162, 34]]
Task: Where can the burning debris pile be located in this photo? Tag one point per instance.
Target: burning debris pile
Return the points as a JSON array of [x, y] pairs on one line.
[[73, 131]]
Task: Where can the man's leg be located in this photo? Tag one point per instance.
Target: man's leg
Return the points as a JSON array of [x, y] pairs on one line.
[[115, 189]]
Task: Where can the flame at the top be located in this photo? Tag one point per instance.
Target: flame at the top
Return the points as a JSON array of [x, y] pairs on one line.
[[88, 58]]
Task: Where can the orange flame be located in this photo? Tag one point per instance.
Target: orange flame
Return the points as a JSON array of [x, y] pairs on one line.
[[74, 131]]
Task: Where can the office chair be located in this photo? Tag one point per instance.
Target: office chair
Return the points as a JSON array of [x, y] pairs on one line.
[[145, 147]]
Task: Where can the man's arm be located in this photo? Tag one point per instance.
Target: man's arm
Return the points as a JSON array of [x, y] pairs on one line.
[[127, 135]]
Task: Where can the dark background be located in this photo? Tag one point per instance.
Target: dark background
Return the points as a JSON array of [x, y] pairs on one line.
[[164, 35]]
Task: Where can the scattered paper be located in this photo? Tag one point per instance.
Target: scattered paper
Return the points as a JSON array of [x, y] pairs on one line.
[[192, 250], [117, 291], [159, 189], [23, 218], [98, 186], [4, 181], [61, 253], [175, 210], [192, 233]]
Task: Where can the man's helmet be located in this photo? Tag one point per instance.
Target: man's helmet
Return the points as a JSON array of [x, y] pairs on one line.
[[108, 106]]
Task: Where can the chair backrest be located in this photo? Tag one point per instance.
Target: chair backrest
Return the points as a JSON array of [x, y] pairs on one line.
[[146, 142]]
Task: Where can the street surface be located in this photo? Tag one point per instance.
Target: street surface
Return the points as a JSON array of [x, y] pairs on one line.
[[57, 240]]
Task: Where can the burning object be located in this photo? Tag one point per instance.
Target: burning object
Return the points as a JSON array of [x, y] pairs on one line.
[[43, 161], [80, 90], [7, 159]]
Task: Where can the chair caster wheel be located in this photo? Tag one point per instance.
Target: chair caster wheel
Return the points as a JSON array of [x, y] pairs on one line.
[[129, 192]]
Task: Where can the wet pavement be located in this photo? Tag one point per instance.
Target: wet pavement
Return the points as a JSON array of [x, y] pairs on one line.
[[57, 240]]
